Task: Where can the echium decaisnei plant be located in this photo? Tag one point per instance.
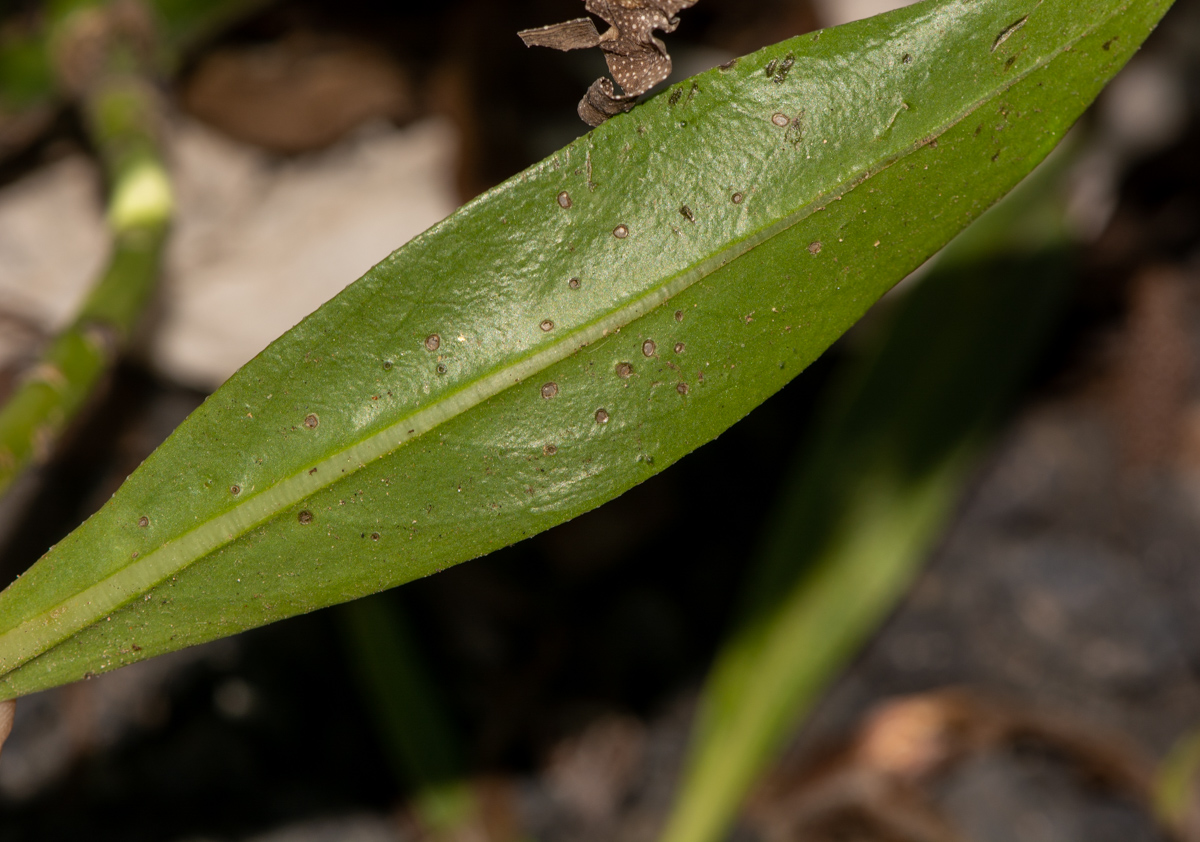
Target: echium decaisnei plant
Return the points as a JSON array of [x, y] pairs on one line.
[[573, 331]]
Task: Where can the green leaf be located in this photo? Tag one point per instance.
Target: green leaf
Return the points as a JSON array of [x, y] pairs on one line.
[[746, 221], [898, 434]]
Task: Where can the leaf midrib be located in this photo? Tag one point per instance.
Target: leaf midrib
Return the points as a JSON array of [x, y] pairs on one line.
[[52, 626]]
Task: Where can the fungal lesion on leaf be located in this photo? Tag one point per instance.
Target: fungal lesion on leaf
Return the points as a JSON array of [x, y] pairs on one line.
[[636, 59]]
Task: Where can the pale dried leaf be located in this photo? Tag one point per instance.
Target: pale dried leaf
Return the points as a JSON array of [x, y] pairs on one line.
[[636, 59], [576, 34]]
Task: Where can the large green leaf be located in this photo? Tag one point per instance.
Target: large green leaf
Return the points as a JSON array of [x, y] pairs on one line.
[[722, 235]]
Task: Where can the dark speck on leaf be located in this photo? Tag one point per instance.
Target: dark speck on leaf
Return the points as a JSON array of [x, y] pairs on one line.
[[784, 66], [1008, 32]]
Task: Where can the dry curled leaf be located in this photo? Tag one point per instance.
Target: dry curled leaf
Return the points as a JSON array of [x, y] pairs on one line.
[[636, 59]]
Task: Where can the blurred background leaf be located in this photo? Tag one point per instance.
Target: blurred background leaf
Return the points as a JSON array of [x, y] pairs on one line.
[[898, 431]]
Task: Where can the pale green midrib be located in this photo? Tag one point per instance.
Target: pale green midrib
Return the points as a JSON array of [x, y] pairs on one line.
[[52, 626]]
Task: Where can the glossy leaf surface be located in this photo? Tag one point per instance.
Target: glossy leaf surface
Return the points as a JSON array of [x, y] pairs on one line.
[[573, 331]]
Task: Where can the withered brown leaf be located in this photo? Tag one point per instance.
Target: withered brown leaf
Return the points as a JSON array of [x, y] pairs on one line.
[[636, 59]]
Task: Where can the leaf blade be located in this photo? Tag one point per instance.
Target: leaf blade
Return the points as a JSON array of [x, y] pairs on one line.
[[487, 279]]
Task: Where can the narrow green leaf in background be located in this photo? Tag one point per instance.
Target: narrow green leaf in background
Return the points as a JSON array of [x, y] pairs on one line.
[[571, 332], [416, 732], [870, 493]]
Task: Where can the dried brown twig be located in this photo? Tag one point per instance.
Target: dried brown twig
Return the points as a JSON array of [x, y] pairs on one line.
[[636, 59]]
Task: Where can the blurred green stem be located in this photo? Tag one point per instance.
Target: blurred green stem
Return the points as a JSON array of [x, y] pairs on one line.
[[419, 738], [1177, 787], [121, 110], [105, 54], [27, 73], [895, 442]]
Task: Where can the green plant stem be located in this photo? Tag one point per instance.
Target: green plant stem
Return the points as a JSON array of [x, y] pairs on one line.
[[30, 90], [897, 440], [121, 114], [418, 738], [1177, 786], [121, 111]]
